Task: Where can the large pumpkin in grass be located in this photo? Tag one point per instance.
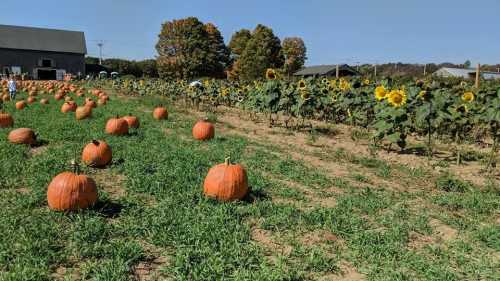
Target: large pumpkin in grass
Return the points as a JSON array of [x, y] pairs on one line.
[[20, 105], [68, 106], [160, 113], [83, 112], [6, 120], [22, 136], [70, 191], [226, 182], [117, 126], [132, 121], [97, 154], [203, 130]]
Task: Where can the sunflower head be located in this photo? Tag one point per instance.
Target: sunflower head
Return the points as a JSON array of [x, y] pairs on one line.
[[366, 82], [305, 95], [468, 97], [424, 95], [397, 98], [324, 91], [324, 81], [302, 85], [270, 74], [380, 93]]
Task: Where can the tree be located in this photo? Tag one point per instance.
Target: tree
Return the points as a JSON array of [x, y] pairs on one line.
[[91, 60], [187, 48], [467, 64], [148, 68], [238, 42], [218, 55], [262, 51], [294, 52]]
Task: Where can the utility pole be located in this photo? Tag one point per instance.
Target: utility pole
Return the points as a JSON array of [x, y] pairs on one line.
[[375, 71], [478, 74], [425, 69], [100, 44], [337, 71]]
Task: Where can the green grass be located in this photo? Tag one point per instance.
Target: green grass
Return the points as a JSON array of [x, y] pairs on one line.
[[161, 211]]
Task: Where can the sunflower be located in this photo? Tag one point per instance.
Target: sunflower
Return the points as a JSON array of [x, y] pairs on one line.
[[380, 93], [270, 74], [366, 82], [349, 112], [324, 91], [324, 81], [305, 95], [468, 97], [224, 92], [424, 95], [302, 85], [344, 85], [397, 98], [334, 97]]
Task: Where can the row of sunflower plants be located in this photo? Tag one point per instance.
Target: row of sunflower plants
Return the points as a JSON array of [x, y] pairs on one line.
[[392, 109]]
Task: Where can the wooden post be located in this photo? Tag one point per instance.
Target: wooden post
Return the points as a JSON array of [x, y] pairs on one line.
[[478, 74], [375, 71], [425, 69], [337, 71]]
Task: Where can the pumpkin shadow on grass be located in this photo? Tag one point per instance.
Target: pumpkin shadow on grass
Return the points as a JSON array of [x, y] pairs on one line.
[[255, 195], [108, 208], [40, 143]]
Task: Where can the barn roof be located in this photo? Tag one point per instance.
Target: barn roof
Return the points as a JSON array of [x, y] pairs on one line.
[[323, 69], [42, 39], [467, 72]]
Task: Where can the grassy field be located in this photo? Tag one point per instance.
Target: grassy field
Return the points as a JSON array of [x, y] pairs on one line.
[[302, 221]]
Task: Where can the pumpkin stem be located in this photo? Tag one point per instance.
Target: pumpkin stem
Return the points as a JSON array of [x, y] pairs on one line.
[[95, 142], [227, 161]]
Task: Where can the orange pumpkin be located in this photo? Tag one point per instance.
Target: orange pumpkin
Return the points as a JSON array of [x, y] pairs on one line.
[[68, 107], [22, 136], [6, 120], [101, 102], [203, 130], [97, 154], [226, 182], [58, 96], [6, 97], [68, 98], [44, 101], [71, 191], [132, 121], [160, 113], [83, 112], [90, 103], [117, 126], [31, 99], [20, 105]]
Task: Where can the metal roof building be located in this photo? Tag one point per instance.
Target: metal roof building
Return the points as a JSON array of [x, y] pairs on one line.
[[466, 73], [40, 52], [326, 70]]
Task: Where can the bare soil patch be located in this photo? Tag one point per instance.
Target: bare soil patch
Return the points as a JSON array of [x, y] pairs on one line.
[[442, 231]]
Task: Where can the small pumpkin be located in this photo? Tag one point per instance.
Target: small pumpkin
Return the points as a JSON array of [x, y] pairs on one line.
[[203, 130], [101, 102], [226, 182], [20, 105], [68, 98], [83, 112], [58, 96], [68, 107], [70, 191], [44, 101], [5, 97], [97, 154], [22, 136], [6, 120], [31, 99], [132, 121], [160, 113], [117, 126]]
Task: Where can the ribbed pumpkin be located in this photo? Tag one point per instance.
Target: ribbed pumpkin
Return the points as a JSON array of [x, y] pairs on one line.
[[6, 120], [117, 126], [68, 106], [226, 182], [101, 102], [83, 112], [71, 191], [20, 105], [58, 96], [44, 101], [160, 113], [6, 97], [31, 99], [97, 154], [132, 121], [22, 136], [203, 130]]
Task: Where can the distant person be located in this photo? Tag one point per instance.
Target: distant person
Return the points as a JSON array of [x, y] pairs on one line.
[[12, 88]]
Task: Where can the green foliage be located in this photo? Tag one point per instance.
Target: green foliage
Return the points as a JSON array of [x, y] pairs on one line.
[[294, 52]]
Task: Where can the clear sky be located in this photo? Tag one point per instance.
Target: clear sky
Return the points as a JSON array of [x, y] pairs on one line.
[[352, 31]]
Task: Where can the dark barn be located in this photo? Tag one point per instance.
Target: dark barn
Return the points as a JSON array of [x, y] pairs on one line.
[[326, 71], [43, 54]]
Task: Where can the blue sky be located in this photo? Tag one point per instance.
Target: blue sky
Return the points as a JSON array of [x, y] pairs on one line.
[[365, 31]]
